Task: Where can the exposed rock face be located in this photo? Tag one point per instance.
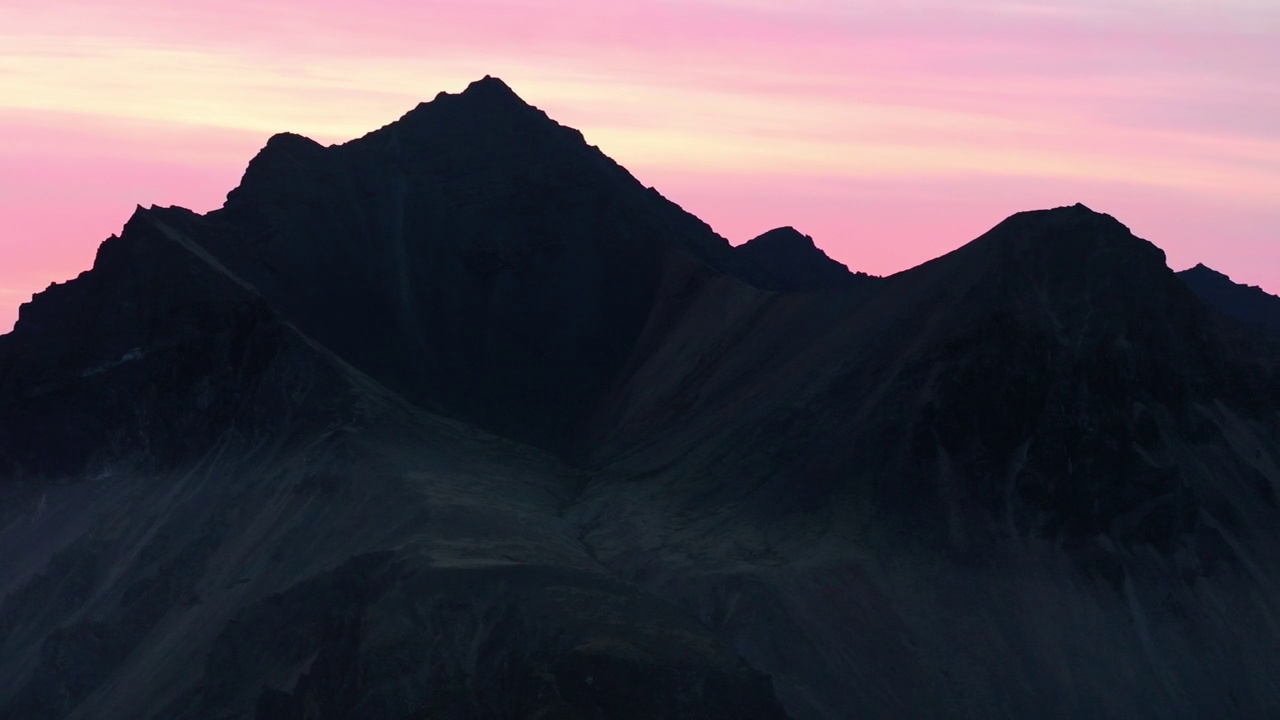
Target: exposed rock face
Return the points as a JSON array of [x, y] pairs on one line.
[[459, 420], [1247, 303]]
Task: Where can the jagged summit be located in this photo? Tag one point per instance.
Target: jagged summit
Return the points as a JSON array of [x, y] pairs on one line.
[[1249, 304], [784, 234], [786, 238], [785, 259], [491, 86], [1076, 217], [485, 100], [1064, 314], [484, 122], [1202, 271], [1069, 246], [509, 264], [486, 86], [291, 140]]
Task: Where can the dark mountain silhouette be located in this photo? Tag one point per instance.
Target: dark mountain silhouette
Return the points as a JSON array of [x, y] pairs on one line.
[[474, 256], [459, 420], [1247, 303], [783, 259]]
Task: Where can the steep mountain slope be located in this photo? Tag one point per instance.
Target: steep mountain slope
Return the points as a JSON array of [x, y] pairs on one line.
[[1247, 303], [205, 514], [1043, 418], [242, 475], [1061, 306], [474, 256], [90, 374]]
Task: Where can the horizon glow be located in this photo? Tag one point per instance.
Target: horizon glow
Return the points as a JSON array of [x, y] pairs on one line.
[[890, 132]]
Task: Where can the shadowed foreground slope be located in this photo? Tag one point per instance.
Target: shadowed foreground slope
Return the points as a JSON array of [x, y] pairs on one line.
[[240, 524], [459, 420]]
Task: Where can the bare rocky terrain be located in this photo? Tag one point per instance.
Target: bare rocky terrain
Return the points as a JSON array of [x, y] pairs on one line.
[[460, 420]]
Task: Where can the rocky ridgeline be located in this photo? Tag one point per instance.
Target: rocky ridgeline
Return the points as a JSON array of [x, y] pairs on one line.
[[458, 419]]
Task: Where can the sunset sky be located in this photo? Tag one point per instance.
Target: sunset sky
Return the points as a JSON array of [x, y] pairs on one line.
[[890, 132]]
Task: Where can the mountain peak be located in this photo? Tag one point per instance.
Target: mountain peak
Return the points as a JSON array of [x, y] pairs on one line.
[[1247, 303], [1055, 267], [783, 237], [275, 435], [291, 141], [1072, 237], [488, 90], [489, 84], [1078, 214], [785, 259], [1202, 270]]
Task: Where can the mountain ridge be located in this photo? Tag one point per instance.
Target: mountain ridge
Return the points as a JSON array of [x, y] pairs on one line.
[[784, 259], [1246, 303], [460, 419]]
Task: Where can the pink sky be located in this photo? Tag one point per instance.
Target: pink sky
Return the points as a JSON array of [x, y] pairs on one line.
[[890, 132]]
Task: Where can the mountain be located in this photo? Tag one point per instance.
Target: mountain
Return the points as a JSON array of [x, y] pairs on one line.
[[475, 256], [458, 419], [785, 260], [1005, 452], [1247, 303]]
